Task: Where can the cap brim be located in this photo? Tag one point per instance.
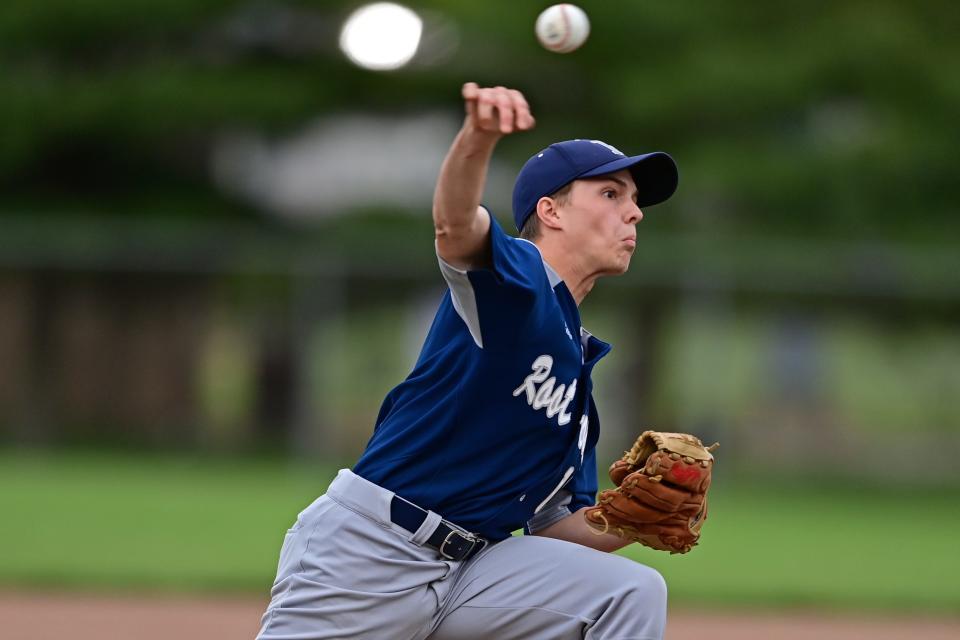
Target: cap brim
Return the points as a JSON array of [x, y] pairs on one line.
[[655, 175]]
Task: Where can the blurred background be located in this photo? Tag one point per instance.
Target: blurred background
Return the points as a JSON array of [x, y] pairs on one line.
[[216, 257]]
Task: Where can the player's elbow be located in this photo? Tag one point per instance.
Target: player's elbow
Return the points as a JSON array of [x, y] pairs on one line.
[[454, 224], [457, 252], [460, 241]]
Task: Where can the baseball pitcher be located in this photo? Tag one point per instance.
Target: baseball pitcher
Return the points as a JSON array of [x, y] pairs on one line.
[[495, 429]]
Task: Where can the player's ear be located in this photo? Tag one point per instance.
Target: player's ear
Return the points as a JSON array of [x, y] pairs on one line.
[[548, 213]]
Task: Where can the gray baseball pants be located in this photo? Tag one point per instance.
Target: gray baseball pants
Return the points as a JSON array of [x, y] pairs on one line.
[[346, 571]]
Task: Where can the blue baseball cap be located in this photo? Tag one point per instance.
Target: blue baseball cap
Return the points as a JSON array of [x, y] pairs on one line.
[[655, 174]]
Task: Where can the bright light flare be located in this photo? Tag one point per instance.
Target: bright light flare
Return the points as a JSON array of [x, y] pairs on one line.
[[381, 36]]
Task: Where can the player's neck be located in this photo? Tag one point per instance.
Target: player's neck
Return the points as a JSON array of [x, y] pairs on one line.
[[578, 279], [580, 287]]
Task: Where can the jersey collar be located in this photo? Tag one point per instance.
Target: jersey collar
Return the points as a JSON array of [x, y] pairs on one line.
[[552, 275]]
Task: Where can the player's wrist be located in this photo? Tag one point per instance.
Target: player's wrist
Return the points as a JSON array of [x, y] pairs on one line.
[[474, 136]]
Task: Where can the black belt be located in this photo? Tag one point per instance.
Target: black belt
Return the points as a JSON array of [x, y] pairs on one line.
[[452, 543]]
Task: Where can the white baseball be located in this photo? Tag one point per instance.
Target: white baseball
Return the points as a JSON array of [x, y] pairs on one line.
[[562, 28]]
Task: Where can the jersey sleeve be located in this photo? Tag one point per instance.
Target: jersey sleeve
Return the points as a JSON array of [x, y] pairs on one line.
[[492, 301], [554, 511], [580, 492]]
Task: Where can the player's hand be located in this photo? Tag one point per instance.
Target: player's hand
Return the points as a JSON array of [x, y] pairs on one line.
[[496, 110]]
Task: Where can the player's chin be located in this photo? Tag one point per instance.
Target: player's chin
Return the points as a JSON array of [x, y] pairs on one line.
[[620, 266]]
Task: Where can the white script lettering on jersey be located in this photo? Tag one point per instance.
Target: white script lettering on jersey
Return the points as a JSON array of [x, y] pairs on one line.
[[548, 395], [582, 438]]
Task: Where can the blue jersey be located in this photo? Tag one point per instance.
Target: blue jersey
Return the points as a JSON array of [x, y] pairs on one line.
[[497, 415]]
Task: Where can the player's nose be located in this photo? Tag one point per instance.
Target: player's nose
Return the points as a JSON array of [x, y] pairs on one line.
[[634, 215]]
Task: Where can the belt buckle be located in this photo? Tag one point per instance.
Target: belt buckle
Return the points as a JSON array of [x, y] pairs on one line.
[[463, 551]]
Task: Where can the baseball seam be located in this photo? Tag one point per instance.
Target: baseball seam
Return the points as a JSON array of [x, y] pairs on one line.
[[567, 31]]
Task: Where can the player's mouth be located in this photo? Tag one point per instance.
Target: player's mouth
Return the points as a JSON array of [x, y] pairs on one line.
[[631, 242]]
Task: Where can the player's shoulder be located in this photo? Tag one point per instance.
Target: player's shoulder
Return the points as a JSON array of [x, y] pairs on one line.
[[538, 261], [500, 238], [518, 262]]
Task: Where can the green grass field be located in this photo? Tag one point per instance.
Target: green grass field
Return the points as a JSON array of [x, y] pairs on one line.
[[138, 522]]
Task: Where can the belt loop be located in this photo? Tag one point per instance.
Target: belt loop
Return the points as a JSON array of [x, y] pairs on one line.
[[427, 527]]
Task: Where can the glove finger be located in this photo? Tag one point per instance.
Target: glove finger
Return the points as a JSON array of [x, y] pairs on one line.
[[675, 538], [619, 470], [649, 536], [678, 538], [607, 522], [623, 506], [667, 543], [658, 494], [645, 528]]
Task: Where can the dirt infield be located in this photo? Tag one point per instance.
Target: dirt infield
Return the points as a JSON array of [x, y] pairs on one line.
[[35, 616]]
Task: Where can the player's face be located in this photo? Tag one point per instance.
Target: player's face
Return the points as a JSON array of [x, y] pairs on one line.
[[602, 215]]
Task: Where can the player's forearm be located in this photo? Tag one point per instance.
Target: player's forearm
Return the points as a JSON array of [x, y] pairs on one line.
[[574, 528], [459, 225]]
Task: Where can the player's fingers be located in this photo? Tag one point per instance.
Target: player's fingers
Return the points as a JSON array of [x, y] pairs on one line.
[[523, 117], [505, 109], [497, 109], [470, 92], [485, 108]]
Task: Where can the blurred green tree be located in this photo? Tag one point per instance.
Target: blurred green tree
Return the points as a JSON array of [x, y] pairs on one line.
[[821, 119]]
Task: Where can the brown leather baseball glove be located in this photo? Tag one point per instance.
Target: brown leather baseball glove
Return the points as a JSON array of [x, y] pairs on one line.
[[661, 495]]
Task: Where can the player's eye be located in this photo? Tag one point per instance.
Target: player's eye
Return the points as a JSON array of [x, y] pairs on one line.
[[609, 193]]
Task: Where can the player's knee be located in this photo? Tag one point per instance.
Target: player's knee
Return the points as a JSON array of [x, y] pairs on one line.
[[638, 607], [623, 571], [648, 600], [647, 591], [651, 585]]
